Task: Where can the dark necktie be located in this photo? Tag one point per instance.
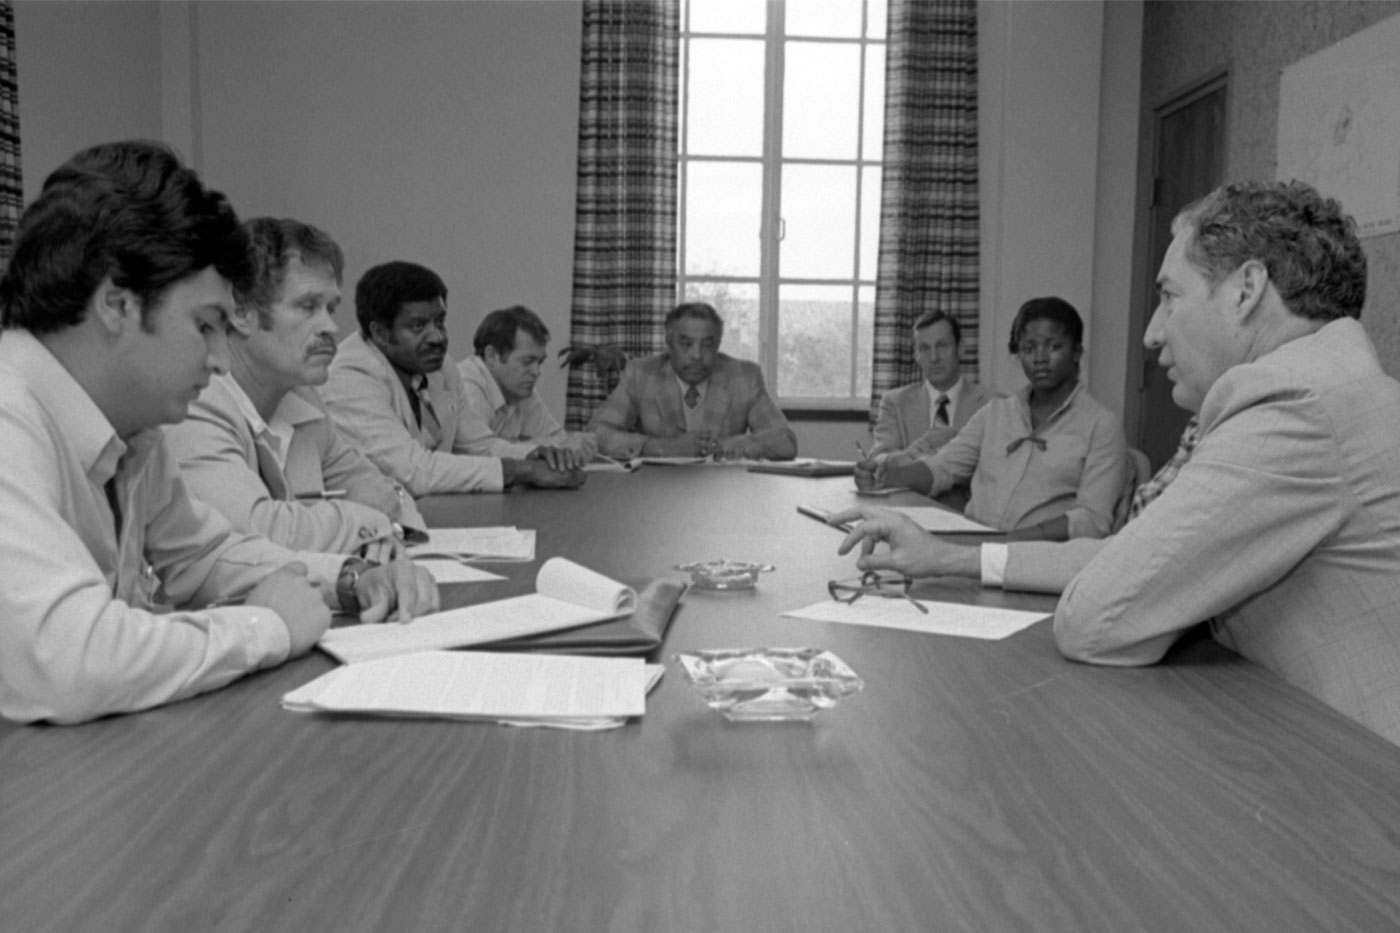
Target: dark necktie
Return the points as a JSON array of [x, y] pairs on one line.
[[692, 397], [941, 416], [115, 502]]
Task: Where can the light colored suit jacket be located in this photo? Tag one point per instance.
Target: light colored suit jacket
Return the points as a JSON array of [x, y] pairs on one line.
[[1283, 527], [372, 409], [904, 420], [225, 466], [647, 403]]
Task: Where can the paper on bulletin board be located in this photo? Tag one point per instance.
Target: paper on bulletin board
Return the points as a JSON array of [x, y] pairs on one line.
[[1339, 125]]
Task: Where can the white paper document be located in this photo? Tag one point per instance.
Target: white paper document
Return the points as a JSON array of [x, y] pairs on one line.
[[942, 618], [486, 544], [604, 464], [933, 518], [528, 688], [454, 571], [566, 595]]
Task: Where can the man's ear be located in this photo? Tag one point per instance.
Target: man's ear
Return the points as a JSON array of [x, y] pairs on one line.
[[489, 354], [377, 333], [242, 321], [1248, 283], [114, 307]]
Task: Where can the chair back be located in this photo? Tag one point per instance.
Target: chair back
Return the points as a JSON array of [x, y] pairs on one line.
[[1139, 472]]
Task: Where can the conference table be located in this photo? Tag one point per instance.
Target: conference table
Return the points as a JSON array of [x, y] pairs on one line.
[[972, 785]]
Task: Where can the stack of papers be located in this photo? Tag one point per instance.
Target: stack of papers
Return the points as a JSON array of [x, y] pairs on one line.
[[518, 689], [566, 595], [478, 544]]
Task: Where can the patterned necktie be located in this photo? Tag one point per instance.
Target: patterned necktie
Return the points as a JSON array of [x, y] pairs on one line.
[[1163, 478], [692, 397], [941, 416]]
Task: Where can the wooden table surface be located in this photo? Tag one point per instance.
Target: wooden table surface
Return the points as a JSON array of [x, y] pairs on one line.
[[973, 785]]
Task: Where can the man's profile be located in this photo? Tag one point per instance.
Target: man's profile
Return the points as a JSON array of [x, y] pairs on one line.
[[692, 400]]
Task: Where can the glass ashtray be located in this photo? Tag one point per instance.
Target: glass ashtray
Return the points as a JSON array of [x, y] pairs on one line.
[[769, 684], [724, 574]]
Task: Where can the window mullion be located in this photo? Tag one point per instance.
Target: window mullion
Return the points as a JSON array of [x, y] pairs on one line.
[[770, 229]]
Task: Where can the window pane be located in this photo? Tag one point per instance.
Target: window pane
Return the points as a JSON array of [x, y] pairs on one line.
[[876, 12], [838, 19], [726, 97], [870, 221], [814, 341], [821, 94], [737, 304], [723, 205], [874, 148], [819, 221], [865, 340], [742, 16]]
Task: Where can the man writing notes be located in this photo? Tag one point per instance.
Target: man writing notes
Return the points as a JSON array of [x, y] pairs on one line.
[[498, 383], [1282, 529], [692, 400], [114, 305], [929, 413], [258, 444], [394, 399]]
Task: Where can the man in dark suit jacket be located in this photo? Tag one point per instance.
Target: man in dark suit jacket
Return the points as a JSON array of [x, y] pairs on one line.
[[692, 400], [928, 413]]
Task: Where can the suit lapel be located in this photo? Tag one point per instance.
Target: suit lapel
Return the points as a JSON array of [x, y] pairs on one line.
[[668, 400]]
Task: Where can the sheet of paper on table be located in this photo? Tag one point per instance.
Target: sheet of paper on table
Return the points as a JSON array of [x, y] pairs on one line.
[[528, 689], [566, 595], [942, 618], [605, 464], [483, 544], [454, 571], [933, 518]]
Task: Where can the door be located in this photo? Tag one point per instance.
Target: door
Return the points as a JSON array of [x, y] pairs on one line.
[[1189, 163]]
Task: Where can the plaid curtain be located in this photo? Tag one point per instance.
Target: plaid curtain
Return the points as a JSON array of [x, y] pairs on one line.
[[625, 225], [11, 191], [928, 213]]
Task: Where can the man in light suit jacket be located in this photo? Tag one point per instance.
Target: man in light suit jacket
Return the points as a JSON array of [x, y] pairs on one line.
[[693, 400], [922, 417], [258, 444], [394, 399], [1282, 529]]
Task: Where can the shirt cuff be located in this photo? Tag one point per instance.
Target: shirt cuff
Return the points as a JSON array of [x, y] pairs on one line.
[[269, 642], [994, 564]]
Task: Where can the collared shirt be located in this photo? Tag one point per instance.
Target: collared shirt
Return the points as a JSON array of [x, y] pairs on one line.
[[1073, 465], [954, 394], [502, 428], [84, 623], [227, 462], [371, 408]]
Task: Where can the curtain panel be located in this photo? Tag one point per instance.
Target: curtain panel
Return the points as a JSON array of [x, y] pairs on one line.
[[11, 191], [929, 243], [625, 225]]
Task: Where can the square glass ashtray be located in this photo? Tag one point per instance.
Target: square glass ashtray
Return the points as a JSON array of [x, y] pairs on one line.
[[724, 574], [769, 684]]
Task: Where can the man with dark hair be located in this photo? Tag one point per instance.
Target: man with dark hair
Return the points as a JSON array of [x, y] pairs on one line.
[[693, 400], [115, 305], [920, 418], [1282, 529], [393, 398], [258, 444], [510, 420]]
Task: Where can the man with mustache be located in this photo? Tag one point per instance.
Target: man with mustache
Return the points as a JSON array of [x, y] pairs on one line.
[[394, 399], [510, 420], [120, 590], [692, 400], [258, 444]]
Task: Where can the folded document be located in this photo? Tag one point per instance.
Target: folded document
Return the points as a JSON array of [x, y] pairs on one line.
[[566, 595]]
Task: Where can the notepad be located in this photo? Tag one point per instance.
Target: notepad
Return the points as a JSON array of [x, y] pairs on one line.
[[480, 544], [454, 571], [941, 618], [566, 595], [932, 518], [526, 688]]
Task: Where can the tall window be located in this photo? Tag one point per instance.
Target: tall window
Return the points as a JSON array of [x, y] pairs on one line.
[[782, 107]]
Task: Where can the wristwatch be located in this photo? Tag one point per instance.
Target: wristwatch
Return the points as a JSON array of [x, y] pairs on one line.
[[345, 581]]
